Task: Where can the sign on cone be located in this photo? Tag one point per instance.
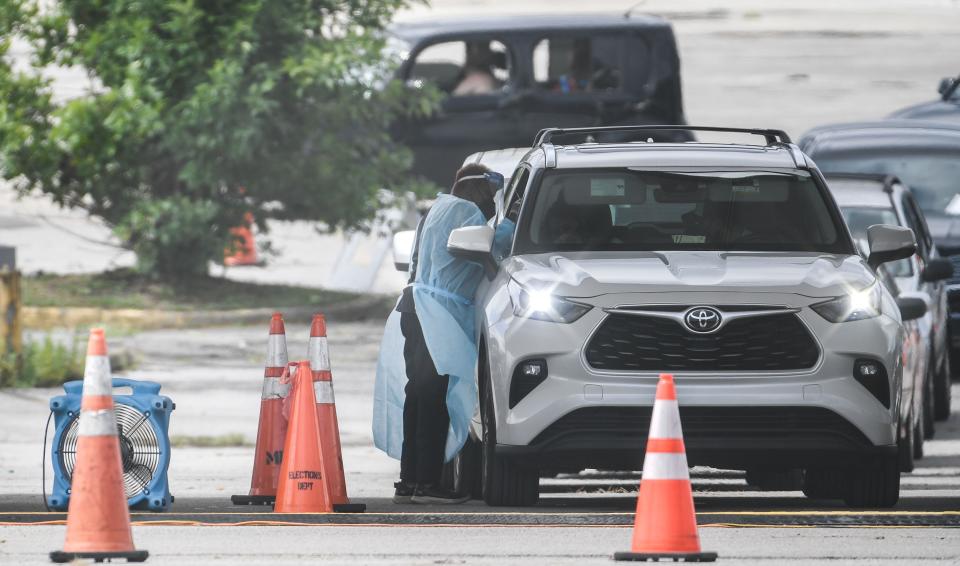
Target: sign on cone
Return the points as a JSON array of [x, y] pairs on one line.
[[319, 356], [302, 487], [665, 525], [98, 521], [272, 430]]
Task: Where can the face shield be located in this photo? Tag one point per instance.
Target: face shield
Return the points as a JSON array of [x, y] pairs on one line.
[[496, 181]]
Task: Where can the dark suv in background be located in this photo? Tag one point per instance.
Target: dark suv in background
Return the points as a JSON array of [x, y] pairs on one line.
[[947, 107], [506, 78]]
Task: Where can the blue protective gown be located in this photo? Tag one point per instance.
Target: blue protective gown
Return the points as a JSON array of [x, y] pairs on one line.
[[443, 293]]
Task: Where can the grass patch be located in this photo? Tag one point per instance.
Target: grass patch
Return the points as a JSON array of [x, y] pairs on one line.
[[222, 441], [49, 363], [126, 289]]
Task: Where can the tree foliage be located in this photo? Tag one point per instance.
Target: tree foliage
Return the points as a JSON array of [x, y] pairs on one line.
[[204, 110]]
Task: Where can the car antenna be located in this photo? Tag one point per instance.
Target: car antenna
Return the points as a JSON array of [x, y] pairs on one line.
[[629, 12]]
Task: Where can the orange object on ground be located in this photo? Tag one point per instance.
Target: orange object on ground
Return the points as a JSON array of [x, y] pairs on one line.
[[98, 521], [272, 430], [666, 524], [245, 248], [302, 487], [319, 356]]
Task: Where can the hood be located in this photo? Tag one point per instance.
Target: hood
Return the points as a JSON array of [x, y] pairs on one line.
[[589, 274]]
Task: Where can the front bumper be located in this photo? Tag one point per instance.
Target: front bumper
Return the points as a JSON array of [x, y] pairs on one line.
[[581, 417]]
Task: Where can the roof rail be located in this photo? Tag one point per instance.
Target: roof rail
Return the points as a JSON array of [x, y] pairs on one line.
[[772, 137]]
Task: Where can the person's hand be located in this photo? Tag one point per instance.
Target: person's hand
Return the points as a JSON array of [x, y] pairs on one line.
[[514, 212]]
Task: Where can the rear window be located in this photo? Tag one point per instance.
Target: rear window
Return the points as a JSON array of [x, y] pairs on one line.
[[571, 65], [628, 210], [931, 173]]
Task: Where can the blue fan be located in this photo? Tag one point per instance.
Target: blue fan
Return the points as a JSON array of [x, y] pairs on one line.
[[143, 420]]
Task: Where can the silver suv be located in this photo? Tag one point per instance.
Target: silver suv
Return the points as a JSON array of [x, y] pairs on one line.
[[728, 265]]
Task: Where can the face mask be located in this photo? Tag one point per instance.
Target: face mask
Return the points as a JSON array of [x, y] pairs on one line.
[[496, 181]]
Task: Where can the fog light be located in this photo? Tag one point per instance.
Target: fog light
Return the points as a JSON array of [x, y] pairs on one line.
[[873, 377], [526, 377], [532, 369], [868, 368]]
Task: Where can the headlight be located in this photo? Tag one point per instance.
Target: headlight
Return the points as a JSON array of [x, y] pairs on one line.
[[858, 305], [540, 304]]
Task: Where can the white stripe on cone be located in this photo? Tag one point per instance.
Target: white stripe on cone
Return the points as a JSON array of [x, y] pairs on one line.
[[665, 466], [101, 422], [273, 388], [276, 351], [323, 391], [318, 354], [665, 422], [96, 376]]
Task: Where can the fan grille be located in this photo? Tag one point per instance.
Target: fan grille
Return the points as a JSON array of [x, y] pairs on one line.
[[139, 449]]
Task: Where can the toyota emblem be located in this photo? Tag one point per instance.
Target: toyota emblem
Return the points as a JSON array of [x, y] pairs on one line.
[[702, 320]]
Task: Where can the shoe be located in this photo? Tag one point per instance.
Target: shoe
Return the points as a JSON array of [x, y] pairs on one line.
[[402, 492], [434, 494]]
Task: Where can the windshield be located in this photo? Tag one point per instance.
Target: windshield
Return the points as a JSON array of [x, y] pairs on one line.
[[860, 218], [631, 210], [933, 175]]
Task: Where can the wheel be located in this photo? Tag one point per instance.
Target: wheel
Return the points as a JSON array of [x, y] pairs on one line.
[[919, 433], [905, 447], [775, 480], [875, 483], [929, 408], [941, 391], [462, 475], [824, 483], [504, 482]]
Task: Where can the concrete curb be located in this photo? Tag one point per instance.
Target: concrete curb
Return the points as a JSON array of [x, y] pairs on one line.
[[45, 318]]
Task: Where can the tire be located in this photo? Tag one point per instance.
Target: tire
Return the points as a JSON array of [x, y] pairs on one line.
[[775, 480], [504, 482], [875, 483], [919, 433], [905, 448], [462, 474], [941, 392], [929, 409], [824, 483]]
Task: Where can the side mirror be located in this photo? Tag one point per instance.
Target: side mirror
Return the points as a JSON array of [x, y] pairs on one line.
[[945, 84], [937, 269], [913, 305], [403, 249], [474, 243], [889, 243]]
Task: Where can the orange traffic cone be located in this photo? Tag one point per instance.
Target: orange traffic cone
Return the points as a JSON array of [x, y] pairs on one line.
[[327, 413], [302, 487], [98, 521], [272, 430], [666, 524], [245, 248]]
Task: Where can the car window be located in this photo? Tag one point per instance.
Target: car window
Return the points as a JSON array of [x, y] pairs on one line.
[[860, 218], [517, 188], [570, 65], [623, 209], [463, 68], [930, 173], [922, 231]]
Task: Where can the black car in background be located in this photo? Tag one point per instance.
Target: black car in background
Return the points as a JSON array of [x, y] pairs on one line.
[[946, 108], [507, 77], [925, 156]]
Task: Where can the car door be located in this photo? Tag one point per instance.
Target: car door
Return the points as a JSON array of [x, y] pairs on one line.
[[926, 250], [474, 75]]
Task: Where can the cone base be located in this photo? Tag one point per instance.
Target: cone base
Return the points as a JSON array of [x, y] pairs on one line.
[[61, 557], [657, 556], [253, 499]]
